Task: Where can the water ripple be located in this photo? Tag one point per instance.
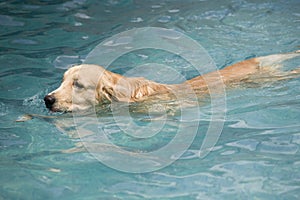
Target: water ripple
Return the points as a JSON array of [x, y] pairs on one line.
[[9, 21]]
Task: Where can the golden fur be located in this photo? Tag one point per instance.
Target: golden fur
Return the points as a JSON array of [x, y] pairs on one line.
[[86, 85]]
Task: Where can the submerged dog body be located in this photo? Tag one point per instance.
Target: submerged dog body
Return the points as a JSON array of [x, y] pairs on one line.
[[86, 85]]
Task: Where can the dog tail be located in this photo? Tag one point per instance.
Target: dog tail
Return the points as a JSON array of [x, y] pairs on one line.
[[276, 59]]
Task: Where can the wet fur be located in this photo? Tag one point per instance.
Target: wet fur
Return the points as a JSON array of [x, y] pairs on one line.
[[86, 85]]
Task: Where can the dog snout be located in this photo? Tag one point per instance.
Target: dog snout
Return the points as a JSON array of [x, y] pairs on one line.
[[49, 101]]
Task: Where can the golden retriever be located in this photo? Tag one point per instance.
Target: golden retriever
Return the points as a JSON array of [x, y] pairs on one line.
[[86, 85]]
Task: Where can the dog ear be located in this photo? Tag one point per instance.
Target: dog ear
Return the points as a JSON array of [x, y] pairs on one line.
[[117, 93], [114, 87], [107, 93], [121, 90]]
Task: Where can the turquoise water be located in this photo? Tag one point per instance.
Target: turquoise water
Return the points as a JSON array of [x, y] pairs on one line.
[[257, 155]]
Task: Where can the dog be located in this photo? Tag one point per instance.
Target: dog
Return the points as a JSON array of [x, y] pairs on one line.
[[86, 85]]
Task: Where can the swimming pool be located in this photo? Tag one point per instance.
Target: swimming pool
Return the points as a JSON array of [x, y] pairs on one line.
[[257, 155]]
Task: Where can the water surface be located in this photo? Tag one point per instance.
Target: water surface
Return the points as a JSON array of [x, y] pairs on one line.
[[257, 155]]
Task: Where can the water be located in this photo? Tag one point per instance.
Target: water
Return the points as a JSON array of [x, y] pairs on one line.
[[257, 155]]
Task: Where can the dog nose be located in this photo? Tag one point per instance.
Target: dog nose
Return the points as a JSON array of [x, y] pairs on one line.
[[49, 100]]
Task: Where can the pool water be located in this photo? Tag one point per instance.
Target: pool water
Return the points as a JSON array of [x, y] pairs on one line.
[[257, 155]]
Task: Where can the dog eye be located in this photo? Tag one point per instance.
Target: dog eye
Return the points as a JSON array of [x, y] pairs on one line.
[[78, 85]]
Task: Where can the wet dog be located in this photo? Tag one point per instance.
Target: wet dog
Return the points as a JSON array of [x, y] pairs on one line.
[[86, 85]]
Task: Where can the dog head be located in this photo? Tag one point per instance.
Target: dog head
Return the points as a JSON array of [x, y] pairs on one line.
[[86, 85]]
